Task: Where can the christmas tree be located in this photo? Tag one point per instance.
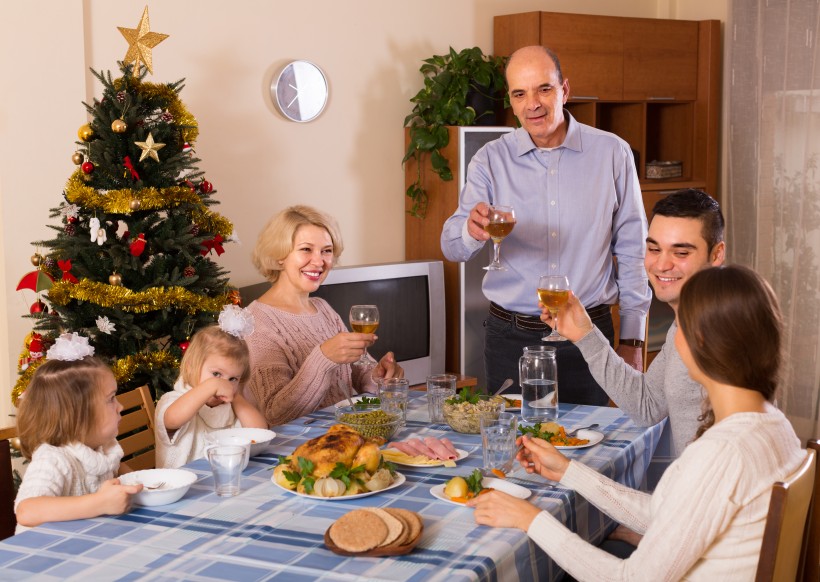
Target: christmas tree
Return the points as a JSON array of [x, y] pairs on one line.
[[131, 264]]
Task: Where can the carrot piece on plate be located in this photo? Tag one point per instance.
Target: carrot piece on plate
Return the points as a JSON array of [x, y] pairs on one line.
[[499, 473]]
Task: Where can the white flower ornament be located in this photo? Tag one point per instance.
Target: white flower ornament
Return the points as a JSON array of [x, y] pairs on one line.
[[236, 321], [70, 347], [105, 325]]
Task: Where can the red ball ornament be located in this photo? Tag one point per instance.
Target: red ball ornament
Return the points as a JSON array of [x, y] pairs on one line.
[[189, 271], [71, 219], [87, 167], [38, 307], [206, 187], [184, 345]]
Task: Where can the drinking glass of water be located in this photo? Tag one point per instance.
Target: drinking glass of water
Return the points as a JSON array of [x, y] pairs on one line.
[[538, 372]]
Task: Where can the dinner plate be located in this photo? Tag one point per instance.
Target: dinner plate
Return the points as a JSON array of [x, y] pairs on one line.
[[594, 437], [487, 482], [399, 479], [512, 397], [355, 399], [462, 454]]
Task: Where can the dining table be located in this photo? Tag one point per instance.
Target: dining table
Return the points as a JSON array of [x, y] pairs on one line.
[[268, 533]]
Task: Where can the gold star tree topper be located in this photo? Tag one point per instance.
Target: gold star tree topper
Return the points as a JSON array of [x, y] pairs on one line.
[[149, 148], [140, 42]]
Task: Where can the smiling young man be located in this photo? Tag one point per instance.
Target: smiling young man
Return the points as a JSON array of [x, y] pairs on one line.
[[685, 236], [578, 204]]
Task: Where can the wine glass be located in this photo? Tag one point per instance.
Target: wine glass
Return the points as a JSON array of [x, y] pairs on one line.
[[364, 319], [502, 221], [553, 291]]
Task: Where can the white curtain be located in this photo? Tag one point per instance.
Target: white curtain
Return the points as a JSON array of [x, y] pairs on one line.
[[773, 199]]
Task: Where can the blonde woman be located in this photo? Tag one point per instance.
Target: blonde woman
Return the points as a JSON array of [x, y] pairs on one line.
[[301, 351]]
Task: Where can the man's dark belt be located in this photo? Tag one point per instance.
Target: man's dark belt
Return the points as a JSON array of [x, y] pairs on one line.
[[534, 323]]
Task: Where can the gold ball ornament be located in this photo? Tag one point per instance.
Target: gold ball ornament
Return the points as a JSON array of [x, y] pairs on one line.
[[134, 204], [77, 158], [85, 133], [119, 126], [15, 443], [115, 279], [36, 259]]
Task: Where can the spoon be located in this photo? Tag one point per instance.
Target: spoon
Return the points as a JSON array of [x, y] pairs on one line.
[[575, 430], [507, 383]]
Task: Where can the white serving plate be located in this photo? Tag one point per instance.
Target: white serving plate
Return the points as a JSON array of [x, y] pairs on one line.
[[462, 454], [399, 480], [487, 482], [594, 437], [512, 397], [177, 482]]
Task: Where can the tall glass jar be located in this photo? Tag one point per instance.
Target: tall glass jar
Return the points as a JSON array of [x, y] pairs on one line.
[[538, 375]]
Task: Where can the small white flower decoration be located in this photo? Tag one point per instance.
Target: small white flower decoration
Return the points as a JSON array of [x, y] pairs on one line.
[[236, 321], [70, 347], [70, 211], [234, 238], [105, 325]]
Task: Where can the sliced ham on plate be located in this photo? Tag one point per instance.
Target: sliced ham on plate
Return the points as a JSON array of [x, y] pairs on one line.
[[447, 443], [440, 449]]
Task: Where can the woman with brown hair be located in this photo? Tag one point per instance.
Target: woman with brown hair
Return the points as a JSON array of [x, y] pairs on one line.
[[706, 518], [301, 350]]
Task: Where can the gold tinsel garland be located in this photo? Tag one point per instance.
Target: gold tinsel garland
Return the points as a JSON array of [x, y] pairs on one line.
[[124, 369], [119, 202], [182, 116], [134, 301]]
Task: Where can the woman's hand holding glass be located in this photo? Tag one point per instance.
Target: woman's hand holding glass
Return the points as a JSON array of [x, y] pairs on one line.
[[347, 347], [575, 322]]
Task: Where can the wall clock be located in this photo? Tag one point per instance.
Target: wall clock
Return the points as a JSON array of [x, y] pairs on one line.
[[300, 91]]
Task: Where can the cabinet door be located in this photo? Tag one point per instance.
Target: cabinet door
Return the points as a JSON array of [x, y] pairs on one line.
[[590, 49], [660, 59]]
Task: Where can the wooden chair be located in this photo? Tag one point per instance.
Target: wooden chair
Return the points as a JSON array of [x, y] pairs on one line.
[[810, 554], [780, 551], [8, 521], [136, 434]]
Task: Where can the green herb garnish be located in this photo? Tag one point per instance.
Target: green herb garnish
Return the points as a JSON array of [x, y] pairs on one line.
[[347, 474], [536, 432], [466, 394], [474, 481]]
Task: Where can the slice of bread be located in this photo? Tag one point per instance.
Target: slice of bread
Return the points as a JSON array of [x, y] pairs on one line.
[[395, 526], [413, 520], [358, 531]]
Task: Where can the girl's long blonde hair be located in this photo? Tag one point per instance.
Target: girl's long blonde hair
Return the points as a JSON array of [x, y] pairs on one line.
[[59, 406]]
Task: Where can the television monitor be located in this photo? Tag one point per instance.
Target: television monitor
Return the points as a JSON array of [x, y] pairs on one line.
[[410, 298]]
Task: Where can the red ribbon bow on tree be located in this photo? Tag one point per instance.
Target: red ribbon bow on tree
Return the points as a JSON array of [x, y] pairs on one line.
[[65, 267], [130, 167], [215, 244], [138, 245]]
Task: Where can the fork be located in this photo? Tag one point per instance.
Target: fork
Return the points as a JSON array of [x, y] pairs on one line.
[[159, 485]]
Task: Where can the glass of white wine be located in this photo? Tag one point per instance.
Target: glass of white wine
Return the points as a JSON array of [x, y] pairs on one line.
[[502, 221], [364, 319], [553, 291]]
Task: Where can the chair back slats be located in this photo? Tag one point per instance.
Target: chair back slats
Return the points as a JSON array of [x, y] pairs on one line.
[[810, 560], [8, 522], [785, 523], [136, 431]]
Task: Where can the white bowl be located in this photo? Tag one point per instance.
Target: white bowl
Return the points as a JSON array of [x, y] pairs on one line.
[[259, 437], [176, 484]]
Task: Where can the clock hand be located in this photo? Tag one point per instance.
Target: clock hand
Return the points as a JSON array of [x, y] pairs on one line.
[[292, 100]]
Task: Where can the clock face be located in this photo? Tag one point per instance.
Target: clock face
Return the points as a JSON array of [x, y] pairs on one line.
[[300, 91]]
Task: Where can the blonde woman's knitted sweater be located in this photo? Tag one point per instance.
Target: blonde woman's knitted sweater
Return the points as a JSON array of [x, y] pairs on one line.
[[290, 376]]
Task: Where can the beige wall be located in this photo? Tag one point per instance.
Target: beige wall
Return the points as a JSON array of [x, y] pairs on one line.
[[347, 161]]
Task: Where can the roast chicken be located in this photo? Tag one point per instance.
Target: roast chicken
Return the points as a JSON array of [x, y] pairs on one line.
[[340, 444]]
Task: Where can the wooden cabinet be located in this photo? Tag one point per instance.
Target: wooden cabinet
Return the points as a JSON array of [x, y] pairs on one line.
[[653, 82]]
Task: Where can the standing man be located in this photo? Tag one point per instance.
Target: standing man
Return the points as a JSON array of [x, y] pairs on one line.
[[578, 204], [685, 236]]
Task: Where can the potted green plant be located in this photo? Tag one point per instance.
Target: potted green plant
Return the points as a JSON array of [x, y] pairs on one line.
[[453, 84]]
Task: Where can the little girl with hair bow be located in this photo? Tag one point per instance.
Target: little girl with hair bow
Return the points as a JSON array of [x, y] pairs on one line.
[[207, 396], [68, 422]]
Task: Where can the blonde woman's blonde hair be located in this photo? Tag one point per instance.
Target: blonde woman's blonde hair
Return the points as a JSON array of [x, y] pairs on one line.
[[212, 340], [59, 406], [276, 240]]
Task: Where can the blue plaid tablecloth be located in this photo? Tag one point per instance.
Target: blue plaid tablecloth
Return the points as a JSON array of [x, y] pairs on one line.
[[266, 533]]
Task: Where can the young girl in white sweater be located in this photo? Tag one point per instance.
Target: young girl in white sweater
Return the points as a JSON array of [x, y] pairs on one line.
[[207, 395], [706, 517], [67, 422]]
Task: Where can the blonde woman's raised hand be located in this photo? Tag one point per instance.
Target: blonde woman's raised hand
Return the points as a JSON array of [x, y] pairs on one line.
[[346, 347]]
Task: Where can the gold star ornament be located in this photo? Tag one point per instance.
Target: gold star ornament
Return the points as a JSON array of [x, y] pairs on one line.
[[140, 42], [149, 148]]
